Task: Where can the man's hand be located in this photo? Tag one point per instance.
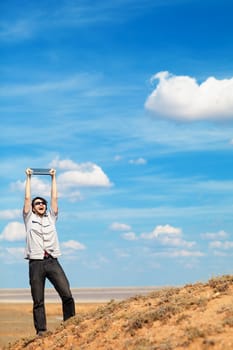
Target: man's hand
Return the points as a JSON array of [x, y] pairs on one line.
[[52, 172], [28, 171]]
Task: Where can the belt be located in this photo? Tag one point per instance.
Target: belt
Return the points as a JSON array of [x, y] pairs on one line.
[[47, 255], [44, 258]]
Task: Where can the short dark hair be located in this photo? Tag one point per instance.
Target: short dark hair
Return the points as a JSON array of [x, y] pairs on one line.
[[42, 199]]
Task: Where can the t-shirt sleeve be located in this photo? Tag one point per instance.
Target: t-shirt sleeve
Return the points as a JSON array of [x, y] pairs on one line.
[[26, 216], [54, 215]]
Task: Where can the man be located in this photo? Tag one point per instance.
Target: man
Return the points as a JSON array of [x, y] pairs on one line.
[[42, 250]]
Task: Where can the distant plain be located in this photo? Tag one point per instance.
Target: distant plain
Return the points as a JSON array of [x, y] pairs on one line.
[[16, 319]]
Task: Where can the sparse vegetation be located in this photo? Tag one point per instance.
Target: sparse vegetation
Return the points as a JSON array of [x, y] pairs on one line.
[[197, 316]]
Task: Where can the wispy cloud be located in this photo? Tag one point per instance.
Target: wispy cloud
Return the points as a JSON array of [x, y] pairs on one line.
[[180, 253], [45, 19], [129, 236], [121, 227], [138, 161], [19, 29], [79, 82], [10, 214], [13, 254], [220, 235], [117, 226], [221, 245]]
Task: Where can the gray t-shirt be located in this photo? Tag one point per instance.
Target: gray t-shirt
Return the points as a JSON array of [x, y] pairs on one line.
[[41, 235]]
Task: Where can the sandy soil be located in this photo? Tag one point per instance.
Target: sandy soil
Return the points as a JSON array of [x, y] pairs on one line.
[[16, 320], [193, 317]]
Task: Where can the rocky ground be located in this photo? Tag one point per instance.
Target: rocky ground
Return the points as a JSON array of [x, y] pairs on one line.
[[194, 317]]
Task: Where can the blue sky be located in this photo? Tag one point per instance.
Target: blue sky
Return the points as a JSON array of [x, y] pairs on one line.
[[132, 103]]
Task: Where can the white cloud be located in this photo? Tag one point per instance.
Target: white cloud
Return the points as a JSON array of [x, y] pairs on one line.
[[167, 229], [117, 226], [65, 164], [168, 235], [181, 97], [129, 236], [218, 242], [10, 214], [14, 231], [90, 178], [138, 161], [83, 175], [162, 230], [74, 245], [38, 186]]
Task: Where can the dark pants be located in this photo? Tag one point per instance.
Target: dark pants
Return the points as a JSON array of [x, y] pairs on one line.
[[49, 268]]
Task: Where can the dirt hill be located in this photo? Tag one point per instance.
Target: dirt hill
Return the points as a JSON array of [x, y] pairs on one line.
[[197, 316]]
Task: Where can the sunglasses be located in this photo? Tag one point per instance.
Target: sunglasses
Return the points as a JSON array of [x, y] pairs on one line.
[[39, 203]]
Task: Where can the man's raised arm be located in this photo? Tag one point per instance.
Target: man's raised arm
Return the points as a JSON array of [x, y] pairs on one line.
[[54, 202], [27, 198]]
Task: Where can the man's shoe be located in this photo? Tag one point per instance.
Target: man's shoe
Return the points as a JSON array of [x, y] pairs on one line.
[[42, 333]]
